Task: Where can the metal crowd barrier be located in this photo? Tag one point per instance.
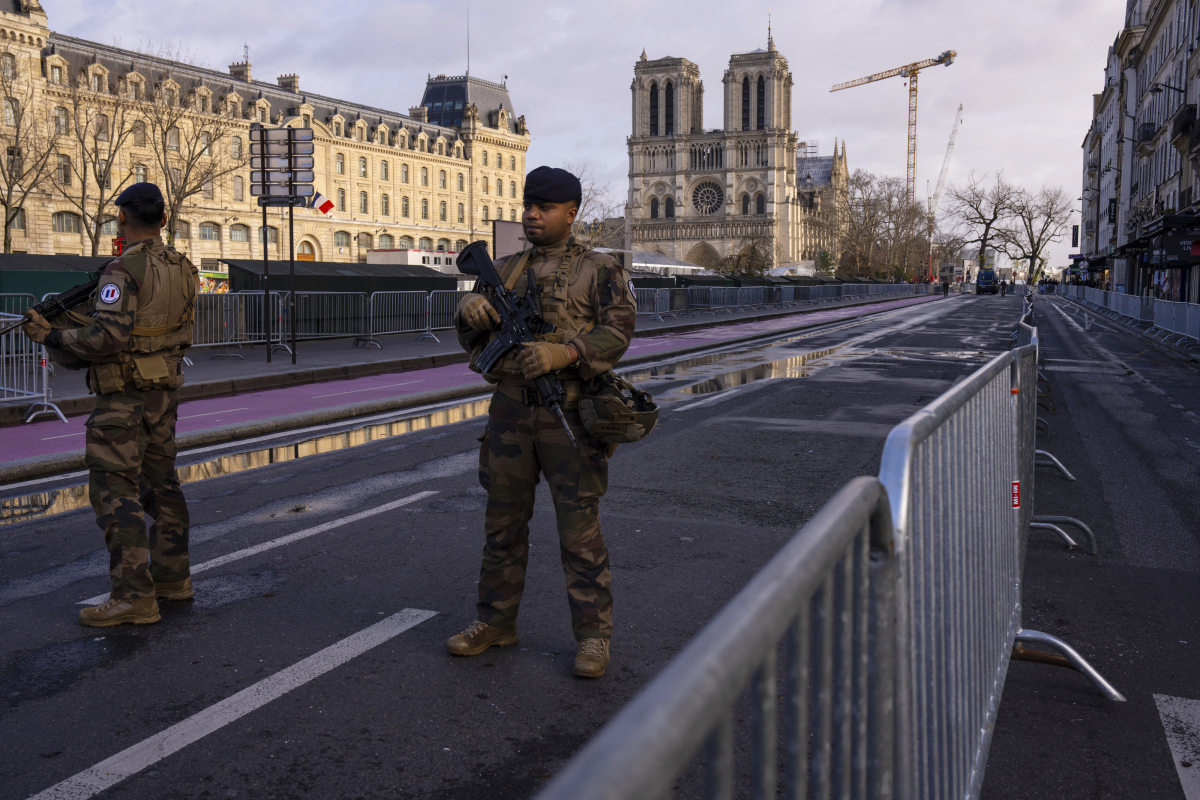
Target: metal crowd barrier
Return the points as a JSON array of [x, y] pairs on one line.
[[15, 302], [872, 709], [1171, 321], [24, 371], [394, 312], [440, 308]]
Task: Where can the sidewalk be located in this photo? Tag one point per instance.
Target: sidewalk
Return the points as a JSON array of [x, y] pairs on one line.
[[49, 446]]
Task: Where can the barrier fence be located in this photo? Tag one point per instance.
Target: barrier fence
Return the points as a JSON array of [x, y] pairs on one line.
[[15, 303], [871, 708], [24, 371], [1172, 321]]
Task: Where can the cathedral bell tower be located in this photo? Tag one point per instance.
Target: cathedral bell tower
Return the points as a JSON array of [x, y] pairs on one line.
[[668, 97], [758, 91]]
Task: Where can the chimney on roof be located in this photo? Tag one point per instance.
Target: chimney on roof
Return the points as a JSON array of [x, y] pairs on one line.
[[240, 70], [290, 83], [420, 113]]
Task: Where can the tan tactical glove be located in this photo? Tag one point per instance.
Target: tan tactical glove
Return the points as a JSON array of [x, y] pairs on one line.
[[477, 312], [37, 327], [540, 358]]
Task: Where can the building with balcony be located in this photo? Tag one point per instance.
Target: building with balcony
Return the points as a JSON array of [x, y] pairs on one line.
[[705, 195]]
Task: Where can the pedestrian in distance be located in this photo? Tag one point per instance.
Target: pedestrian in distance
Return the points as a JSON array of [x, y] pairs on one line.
[[132, 343], [587, 297], [1003, 288], [945, 288]]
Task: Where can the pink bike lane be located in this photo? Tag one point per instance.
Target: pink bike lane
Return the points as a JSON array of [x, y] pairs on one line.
[[52, 437]]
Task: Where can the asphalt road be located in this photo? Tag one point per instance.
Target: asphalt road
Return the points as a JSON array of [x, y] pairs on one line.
[[315, 663]]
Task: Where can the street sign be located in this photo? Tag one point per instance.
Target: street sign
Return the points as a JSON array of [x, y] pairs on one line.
[[1074, 236], [281, 190], [282, 162], [282, 134], [296, 202], [300, 176], [280, 148]]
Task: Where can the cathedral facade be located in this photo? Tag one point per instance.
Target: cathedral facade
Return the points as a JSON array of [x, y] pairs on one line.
[[706, 195]]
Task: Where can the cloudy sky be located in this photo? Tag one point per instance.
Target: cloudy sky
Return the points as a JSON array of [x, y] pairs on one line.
[[1025, 72]]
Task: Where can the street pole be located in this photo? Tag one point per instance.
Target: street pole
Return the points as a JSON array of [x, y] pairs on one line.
[[292, 277], [266, 284]]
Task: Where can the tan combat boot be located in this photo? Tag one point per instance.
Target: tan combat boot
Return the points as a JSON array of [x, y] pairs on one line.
[[117, 611], [592, 658], [478, 637], [174, 590]]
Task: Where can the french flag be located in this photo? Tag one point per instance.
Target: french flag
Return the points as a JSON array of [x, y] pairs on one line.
[[322, 203]]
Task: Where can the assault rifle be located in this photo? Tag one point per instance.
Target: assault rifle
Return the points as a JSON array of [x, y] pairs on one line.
[[520, 320], [58, 304]]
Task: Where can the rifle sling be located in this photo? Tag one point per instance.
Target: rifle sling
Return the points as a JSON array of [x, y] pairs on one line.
[[514, 268]]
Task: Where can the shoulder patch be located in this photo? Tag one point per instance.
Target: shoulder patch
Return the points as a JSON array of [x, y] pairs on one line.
[[110, 293], [631, 289]]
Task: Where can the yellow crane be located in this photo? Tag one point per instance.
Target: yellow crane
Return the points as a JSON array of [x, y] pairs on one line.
[[910, 72]]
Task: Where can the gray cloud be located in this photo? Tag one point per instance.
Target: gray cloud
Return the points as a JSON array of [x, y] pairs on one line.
[[1026, 70]]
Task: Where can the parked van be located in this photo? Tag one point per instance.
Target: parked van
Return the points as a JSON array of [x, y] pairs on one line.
[[986, 283]]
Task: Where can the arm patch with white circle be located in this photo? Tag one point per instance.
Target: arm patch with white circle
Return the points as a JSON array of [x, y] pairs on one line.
[[631, 291], [110, 293]]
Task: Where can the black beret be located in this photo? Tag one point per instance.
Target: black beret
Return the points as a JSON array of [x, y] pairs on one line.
[[551, 185], [139, 191]]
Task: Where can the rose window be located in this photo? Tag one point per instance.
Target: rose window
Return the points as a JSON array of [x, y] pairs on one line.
[[708, 197]]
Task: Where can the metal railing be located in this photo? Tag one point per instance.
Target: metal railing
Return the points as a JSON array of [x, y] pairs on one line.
[[395, 312], [15, 302], [1171, 321], [24, 371], [871, 710]]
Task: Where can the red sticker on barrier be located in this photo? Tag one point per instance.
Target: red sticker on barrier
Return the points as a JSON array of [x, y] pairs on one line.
[[1016, 486]]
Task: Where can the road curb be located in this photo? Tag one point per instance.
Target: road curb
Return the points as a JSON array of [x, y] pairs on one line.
[[43, 466]]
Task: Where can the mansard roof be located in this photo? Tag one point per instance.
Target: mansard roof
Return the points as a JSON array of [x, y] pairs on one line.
[[81, 52], [487, 96]]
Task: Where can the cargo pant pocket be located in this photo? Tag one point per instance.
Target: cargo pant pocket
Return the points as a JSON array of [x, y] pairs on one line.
[[593, 470]]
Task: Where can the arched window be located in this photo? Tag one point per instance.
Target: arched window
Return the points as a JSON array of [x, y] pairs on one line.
[[65, 222], [669, 110], [235, 145], [11, 109], [341, 199], [404, 207], [512, 215], [139, 174], [61, 124], [425, 244], [173, 139], [443, 245], [485, 163], [512, 163], [746, 103], [499, 188], [486, 184], [272, 234], [205, 143], [653, 208], [97, 83], [102, 130], [424, 176], [442, 211], [362, 167], [404, 173], [760, 204], [107, 228], [383, 171], [460, 245], [512, 189], [239, 233], [63, 172], [385, 206], [461, 213], [424, 208], [10, 66], [670, 204], [654, 109], [139, 138], [406, 243], [209, 232], [386, 242], [341, 239], [745, 204], [460, 181], [339, 164], [364, 204], [442, 179], [762, 103], [485, 214], [306, 252]]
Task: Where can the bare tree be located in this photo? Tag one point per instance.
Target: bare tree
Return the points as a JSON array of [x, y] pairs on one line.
[[752, 256], [28, 135], [99, 123], [981, 210], [188, 132], [1038, 220], [885, 233], [594, 226]]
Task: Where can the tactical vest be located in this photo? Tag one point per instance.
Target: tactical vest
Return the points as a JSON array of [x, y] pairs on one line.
[[152, 357], [555, 308]]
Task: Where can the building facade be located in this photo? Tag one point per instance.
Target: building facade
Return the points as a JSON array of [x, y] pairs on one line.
[[705, 195], [1139, 209], [430, 179]]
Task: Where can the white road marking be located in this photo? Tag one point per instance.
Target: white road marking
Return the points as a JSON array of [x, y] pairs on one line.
[[1181, 721], [150, 751], [725, 395], [210, 413], [286, 540], [368, 389], [64, 436]]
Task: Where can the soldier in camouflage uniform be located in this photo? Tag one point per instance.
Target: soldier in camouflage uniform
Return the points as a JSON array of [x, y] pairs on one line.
[[132, 345], [586, 295]]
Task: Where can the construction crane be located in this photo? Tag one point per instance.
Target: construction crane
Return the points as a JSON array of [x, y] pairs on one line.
[[935, 199], [910, 72]]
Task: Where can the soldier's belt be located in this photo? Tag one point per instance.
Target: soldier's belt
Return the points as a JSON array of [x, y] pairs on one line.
[[528, 393]]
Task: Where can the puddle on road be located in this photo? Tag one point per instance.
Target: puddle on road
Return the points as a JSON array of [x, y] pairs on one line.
[[72, 498], [793, 367]]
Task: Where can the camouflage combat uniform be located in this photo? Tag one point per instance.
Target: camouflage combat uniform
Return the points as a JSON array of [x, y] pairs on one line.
[[142, 322], [586, 295]]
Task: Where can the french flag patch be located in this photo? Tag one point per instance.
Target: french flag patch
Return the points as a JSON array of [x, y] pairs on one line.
[[322, 203]]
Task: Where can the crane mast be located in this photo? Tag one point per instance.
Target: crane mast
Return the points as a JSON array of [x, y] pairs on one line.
[[909, 71], [936, 199]]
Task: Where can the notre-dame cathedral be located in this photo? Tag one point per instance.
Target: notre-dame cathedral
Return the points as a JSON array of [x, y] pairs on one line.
[[703, 195]]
